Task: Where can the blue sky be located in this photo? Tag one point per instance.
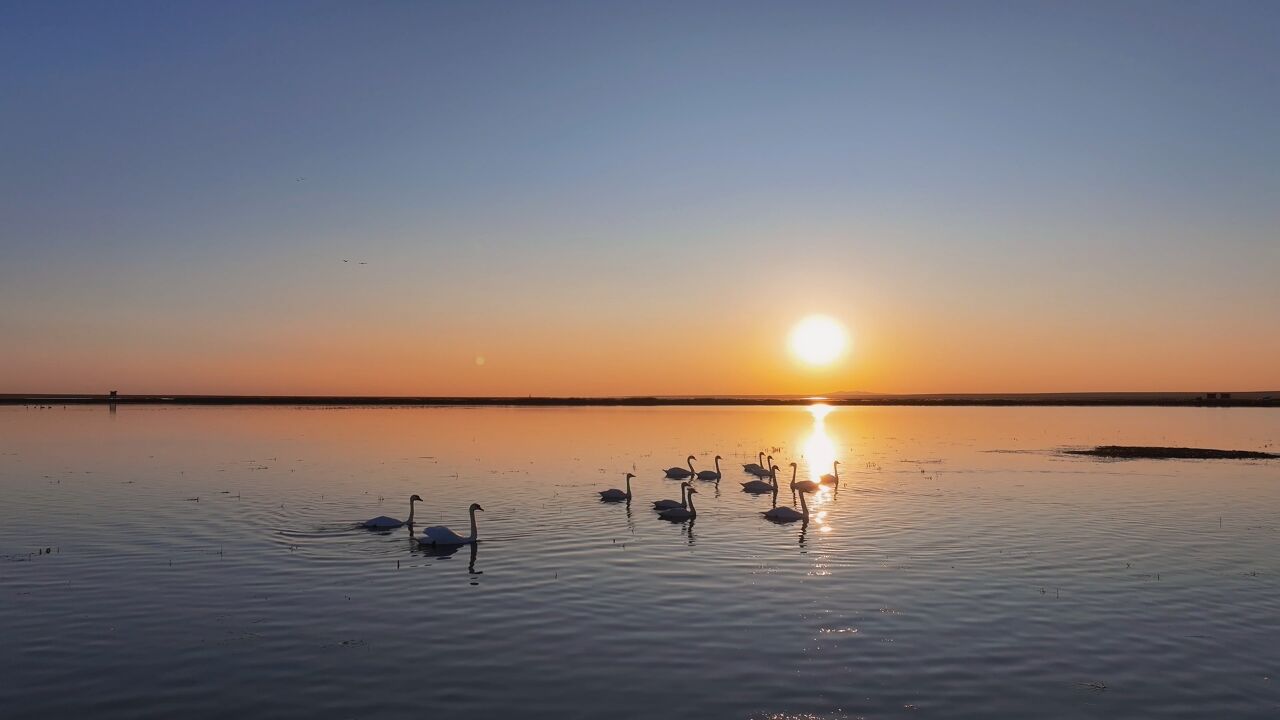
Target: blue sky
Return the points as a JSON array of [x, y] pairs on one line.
[[181, 181]]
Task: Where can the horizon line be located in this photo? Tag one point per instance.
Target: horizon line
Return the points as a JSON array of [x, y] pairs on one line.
[[1248, 398]]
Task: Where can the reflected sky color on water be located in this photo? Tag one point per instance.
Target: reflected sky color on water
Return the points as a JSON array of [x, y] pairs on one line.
[[205, 562]]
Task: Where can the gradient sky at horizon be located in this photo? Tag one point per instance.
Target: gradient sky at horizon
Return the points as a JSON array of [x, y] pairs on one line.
[[609, 198]]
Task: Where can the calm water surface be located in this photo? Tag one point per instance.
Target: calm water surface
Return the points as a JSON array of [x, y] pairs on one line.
[[964, 568]]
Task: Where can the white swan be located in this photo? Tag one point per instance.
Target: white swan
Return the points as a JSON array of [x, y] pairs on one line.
[[786, 514], [755, 466], [763, 472], [803, 485], [441, 535], [760, 487], [668, 504], [680, 473], [681, 513], [832, 478], [615, 495], [382, 522], [711, 474]]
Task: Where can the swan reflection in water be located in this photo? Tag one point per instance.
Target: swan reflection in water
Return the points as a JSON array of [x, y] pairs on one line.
[[444, 551]]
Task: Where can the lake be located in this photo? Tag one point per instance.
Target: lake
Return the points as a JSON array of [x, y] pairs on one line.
[[165, 561]]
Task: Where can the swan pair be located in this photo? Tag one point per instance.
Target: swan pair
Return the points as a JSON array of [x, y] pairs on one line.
[[679, 473], [438, 535], [760, 471], [686, 511], [760, 487], [667, 509]]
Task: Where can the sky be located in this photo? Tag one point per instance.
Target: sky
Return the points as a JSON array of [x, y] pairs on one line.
[[547, 198]]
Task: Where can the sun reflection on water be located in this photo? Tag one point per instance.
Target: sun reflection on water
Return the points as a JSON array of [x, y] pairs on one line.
[[819, 453]]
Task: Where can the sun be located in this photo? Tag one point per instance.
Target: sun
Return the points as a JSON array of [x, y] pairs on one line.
[[818, 340]]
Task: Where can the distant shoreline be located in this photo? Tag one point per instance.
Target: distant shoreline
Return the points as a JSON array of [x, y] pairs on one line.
[[1249, 399]]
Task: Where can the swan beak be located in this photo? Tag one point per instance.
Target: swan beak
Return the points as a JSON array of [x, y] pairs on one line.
[[480, 509]]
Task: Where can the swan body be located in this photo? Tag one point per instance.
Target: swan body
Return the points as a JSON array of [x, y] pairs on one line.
[[441, 535], [786, 514], [711, 474], [681, 513], [802, 485], [382, 522], [753, 467], [616, 495], [679, 473], [833, 477], [760, 487], [668, 504]]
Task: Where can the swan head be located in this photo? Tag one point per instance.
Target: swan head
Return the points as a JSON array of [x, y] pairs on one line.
[[476, 506], [774, 468], [414, 499], [835, 462], [719, 458], [629, 476], [792, 465], [684, 484], [691, 458], [693, 490]]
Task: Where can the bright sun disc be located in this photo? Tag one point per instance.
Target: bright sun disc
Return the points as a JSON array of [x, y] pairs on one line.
[[818, 340]]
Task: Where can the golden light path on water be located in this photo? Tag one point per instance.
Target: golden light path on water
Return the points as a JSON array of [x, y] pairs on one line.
[[819, 454]]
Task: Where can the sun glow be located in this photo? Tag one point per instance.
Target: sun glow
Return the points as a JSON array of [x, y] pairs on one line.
[[818, 340]]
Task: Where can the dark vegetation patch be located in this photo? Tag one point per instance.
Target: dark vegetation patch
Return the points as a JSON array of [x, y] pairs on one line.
[[1133, 452]]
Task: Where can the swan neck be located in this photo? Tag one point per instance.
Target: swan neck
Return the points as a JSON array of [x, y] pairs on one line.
[[692, 510], [804, 507], [410, 520], [628, 489], [473, 524]]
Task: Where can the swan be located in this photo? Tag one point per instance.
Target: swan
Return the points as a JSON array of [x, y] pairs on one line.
[[615, 495], [760, 487], [681, 513], [786, 514], [763, 472], [753, 467], [382, 522], [679, 473], [668, 504], [832, 478], [711, 474], [804, 485], [441, 535]]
